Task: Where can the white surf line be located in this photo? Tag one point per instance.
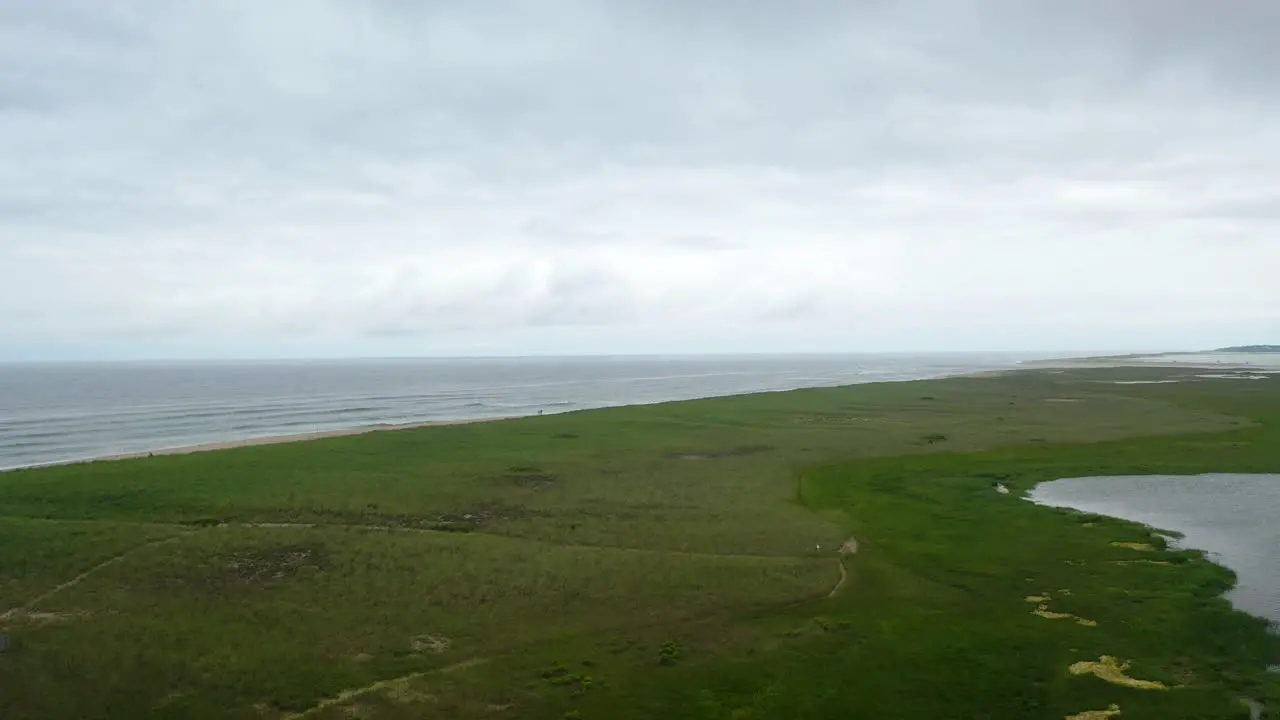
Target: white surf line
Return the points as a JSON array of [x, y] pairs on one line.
[[26, 607], [348, 695]]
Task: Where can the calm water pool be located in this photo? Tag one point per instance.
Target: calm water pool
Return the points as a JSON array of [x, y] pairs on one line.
[[1234, 518]]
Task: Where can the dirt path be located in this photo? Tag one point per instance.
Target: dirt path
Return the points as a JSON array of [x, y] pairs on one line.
[[25, 608], [844, 578], [850, 547], [348, 695]]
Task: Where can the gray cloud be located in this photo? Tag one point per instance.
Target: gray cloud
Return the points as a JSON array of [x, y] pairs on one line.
[[563, 174]]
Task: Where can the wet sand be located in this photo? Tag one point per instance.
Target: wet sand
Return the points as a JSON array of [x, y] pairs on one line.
[[280, 439]]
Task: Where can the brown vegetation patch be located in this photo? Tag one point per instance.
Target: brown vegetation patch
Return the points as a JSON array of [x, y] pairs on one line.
[[430, 643], [461, 520], [531, 481], [830, 419], [739, 451], [264, 565]]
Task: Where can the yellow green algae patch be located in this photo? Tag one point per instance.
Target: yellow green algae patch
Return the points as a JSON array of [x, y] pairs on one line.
[[1141, 547], [1042, 610], [1112, 670], [1110, 712]]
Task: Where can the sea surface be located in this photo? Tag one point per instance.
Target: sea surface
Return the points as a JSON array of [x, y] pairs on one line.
[[1233, 518], [61, 412]]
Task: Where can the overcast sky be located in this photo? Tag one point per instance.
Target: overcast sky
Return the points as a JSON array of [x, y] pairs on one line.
[[398, 177]]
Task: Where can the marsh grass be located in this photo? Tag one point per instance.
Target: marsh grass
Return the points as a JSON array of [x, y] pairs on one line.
[[664, 561]]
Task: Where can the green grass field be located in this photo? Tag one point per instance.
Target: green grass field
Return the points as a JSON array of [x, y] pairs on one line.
[[666, 561]]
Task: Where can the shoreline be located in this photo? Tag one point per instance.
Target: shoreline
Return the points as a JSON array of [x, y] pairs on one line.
[[280, 439], [731, 510], [296, 437], [1175, 540], [1119, 361], [261, 440], [1165, 524]]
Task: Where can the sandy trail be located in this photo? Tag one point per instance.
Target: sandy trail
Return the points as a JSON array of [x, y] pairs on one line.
[[348, 695], [850, 547], [25, 608], [844, 578]]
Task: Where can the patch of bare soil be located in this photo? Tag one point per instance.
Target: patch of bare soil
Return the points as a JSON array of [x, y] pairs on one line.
[[258, 566], [430, 643]]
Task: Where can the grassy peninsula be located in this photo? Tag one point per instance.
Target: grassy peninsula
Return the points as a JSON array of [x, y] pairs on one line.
[[1250, 349], [828, 553]]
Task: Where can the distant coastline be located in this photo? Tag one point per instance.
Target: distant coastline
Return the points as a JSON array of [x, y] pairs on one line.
[[1244, 357], [57, 414], [1249, 349], [288, 438], [512, 407], [358, 430]]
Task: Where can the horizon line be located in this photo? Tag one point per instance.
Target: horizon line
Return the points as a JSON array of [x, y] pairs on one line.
[[1060, 354]]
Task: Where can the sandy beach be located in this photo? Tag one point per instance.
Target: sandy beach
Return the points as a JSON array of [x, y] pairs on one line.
[[279, 439], [346, 432], [1191, 362]]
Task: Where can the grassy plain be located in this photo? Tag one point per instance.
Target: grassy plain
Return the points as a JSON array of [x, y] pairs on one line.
[[665, 561]]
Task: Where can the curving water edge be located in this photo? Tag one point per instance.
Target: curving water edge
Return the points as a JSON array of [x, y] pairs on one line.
[[1230, 517]]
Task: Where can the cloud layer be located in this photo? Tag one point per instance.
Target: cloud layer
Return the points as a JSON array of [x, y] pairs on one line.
[[397, 177]]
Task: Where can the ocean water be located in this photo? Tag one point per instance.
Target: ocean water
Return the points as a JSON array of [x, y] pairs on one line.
[[1233, 518], [63, 412]]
